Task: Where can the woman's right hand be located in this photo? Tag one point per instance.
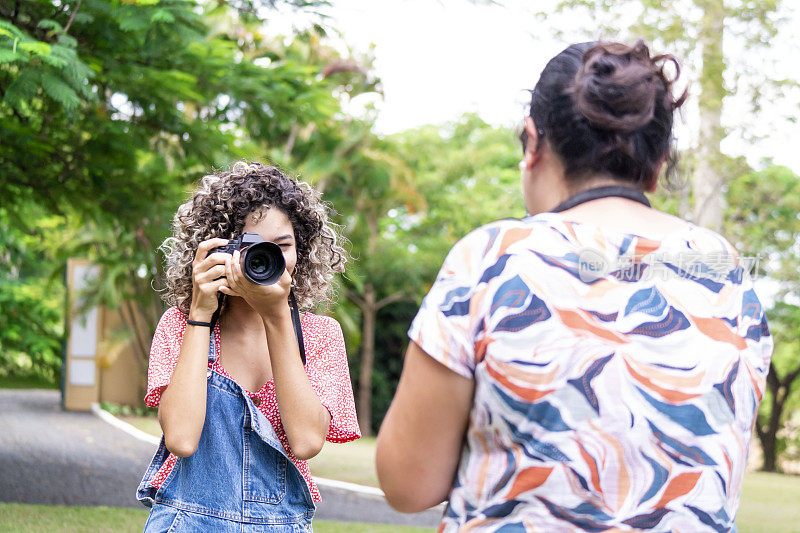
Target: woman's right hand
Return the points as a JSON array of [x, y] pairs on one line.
[[208, 275]]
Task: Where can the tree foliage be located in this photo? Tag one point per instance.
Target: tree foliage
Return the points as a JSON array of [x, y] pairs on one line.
[[437, 184], [31, 302], [109, 110], [763, 222]]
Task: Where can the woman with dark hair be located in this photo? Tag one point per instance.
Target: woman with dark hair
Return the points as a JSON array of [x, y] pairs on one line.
[[599, 364], [247, 389]]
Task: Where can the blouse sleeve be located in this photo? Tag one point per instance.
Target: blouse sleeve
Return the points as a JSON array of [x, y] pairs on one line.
[[330, 379], [444, 326], [164, 351]]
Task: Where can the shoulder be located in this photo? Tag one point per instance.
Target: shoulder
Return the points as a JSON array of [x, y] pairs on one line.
[[710, 241], [173, 318], [167, 338], [322, 338], [171, 324], [501, 234], [487, 244], [320, 328], [313, 322]]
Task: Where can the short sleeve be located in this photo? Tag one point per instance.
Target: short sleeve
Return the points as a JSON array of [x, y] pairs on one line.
[[444, 326], [753, 323], [329, 375], [164, 351]]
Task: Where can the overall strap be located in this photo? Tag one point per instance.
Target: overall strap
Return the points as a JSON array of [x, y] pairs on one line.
[[212, 347]]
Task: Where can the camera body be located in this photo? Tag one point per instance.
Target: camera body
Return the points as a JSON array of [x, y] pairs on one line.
[[262, 261]]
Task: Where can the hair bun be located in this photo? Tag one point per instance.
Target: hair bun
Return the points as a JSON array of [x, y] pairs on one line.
[[617, 86]]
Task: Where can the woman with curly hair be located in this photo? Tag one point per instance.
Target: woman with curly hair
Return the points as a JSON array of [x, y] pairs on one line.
[[247, 390]]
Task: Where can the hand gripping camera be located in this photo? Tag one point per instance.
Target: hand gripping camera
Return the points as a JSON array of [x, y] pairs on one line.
[[262, 261]]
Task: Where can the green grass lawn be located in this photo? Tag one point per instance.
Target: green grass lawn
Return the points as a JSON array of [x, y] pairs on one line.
[[769, 505], [148, 424], [770, 502], [353, 462], [26, 518], [26, 382]]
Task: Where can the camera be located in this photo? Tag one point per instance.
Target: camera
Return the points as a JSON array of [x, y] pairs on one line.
[[262, 261]]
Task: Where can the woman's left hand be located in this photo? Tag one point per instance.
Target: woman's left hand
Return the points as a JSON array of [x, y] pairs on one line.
[[266, 300]]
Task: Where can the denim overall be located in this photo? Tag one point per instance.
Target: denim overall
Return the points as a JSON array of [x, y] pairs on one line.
[[239, 479]]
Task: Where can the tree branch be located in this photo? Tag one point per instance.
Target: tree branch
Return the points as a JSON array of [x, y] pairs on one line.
[[287, 151], [760, 431], [34, 322], [396, 297], [790, 378], [772, 379], [356, 299], [135, 330], [72, 16]]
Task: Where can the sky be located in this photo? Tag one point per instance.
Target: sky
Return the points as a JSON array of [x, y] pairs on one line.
[[438, 60]]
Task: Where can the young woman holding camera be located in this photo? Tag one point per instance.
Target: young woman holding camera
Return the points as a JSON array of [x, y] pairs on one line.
[[247, 390], [598, 365]]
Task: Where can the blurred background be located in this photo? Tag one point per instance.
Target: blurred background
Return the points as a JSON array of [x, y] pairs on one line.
[[404, 113]]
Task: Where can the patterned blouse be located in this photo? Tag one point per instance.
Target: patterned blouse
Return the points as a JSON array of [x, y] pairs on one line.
[[326, 367], [617, 377]]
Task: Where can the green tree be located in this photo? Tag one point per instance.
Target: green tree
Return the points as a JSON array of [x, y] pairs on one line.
[[404, 200], [129, 81], [455, 177], [31, 301], [782, 398], [468, 172], [762, 221], [110, 109], [366, 181]]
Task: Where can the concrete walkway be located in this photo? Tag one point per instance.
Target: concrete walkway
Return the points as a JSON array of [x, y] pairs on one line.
[[50, 456]]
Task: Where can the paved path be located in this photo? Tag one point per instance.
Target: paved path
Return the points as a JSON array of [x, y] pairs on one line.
[[50, 456]]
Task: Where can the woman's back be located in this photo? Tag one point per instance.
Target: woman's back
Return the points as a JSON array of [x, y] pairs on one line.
[[603, 361], [616, 375]]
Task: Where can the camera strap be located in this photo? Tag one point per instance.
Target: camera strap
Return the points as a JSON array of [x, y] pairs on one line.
[[602, 192], [298, 331], [220, 302]]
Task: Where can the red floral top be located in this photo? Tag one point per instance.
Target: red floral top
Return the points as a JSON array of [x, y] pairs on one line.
[[326, 367]]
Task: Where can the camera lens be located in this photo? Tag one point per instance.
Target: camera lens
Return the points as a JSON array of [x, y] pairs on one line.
[[263, 263], [257, 264]]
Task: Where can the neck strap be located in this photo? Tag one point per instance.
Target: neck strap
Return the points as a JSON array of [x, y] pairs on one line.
[[602, 192], [298, 331]]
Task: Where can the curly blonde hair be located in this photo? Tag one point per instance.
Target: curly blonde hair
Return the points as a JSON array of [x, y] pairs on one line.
[[219, 208]]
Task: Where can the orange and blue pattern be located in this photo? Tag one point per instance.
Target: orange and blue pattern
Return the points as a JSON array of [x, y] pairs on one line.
[[617, 376]]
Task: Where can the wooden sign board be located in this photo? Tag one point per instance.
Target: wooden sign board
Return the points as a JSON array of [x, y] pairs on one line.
[[80, 386]]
